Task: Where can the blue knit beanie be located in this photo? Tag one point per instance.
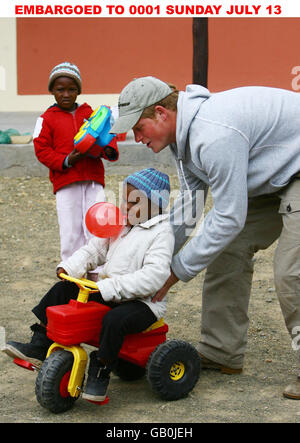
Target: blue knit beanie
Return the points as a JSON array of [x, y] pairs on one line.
[[154, 183]]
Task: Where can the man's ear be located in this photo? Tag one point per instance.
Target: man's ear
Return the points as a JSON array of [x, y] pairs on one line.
[[161, 112]]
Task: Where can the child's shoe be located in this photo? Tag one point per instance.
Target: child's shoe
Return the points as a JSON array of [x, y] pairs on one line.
[[34, 352], [98, 380]]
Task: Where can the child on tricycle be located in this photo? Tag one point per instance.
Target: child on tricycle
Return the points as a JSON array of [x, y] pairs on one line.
[[135, 265]]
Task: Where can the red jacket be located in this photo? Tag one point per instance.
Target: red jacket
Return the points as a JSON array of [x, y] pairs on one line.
[[53, 140]]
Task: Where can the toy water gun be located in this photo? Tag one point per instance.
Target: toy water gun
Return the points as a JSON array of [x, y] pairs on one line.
[[95, 131]]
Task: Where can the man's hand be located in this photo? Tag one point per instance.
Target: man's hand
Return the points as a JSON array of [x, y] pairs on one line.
[[164, 290], [60, 271]]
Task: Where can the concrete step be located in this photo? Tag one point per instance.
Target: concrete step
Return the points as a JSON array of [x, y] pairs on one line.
[[20, 160]]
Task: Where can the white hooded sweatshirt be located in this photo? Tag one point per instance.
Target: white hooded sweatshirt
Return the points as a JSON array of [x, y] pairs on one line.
[[241, 143]]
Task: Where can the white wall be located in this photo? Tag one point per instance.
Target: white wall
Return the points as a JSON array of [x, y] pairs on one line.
[[10, 101]]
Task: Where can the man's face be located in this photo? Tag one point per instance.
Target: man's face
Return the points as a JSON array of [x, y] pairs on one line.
[[65, 92], [155, 133]]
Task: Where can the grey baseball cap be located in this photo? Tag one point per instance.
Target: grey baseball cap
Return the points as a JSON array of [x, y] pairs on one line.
[[135, 97]]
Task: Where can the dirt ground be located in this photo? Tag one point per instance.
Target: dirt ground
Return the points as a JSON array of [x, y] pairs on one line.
[[28, 255]]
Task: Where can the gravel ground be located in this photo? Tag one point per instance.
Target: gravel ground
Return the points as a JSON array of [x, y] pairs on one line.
[[28, 255]]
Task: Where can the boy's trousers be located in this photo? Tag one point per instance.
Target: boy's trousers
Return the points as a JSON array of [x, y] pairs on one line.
[[72, 204], [130, 317], [228, 279]]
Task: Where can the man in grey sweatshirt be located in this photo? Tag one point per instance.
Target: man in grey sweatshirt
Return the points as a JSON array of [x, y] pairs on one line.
[[243, 144]]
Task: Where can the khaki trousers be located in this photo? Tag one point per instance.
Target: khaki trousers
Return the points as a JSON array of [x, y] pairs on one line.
[[228, 279]]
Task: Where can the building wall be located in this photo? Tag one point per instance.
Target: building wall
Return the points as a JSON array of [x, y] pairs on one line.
[[110, 52], [259, 51], [10, 98]]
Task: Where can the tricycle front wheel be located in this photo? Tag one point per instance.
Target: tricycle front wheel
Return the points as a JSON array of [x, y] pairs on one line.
[[51, 386]]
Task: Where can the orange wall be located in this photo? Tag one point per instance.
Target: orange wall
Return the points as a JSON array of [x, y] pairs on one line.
[[109, 52], [245, 51]]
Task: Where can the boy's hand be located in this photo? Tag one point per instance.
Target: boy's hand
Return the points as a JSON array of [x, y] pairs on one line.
[[108, 151], [60, 271], [164, 290], [74, 157]]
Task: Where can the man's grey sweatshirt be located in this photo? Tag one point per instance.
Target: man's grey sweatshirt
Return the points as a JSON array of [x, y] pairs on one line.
[[241, 143]]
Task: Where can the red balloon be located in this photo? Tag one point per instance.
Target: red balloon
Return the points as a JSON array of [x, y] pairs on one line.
[[104, 220]]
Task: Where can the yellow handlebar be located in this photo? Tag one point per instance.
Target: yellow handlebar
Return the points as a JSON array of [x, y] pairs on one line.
[[85, 286], [80, 281]]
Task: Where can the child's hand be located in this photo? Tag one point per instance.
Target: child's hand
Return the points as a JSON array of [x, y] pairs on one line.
[[111, 153], [74, 157], [108, 151], [60, 271]]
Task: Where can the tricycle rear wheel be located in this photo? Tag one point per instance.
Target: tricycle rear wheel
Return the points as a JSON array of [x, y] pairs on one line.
[[128, 371], [51, 386], [173, 369]]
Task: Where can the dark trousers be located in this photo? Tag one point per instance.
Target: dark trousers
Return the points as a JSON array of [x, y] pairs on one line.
[[125, 318]]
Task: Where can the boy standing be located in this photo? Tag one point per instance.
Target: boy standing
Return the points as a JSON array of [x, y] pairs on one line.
[[78, 180]]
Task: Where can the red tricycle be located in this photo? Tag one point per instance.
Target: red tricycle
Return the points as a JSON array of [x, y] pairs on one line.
[[172, 367]]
